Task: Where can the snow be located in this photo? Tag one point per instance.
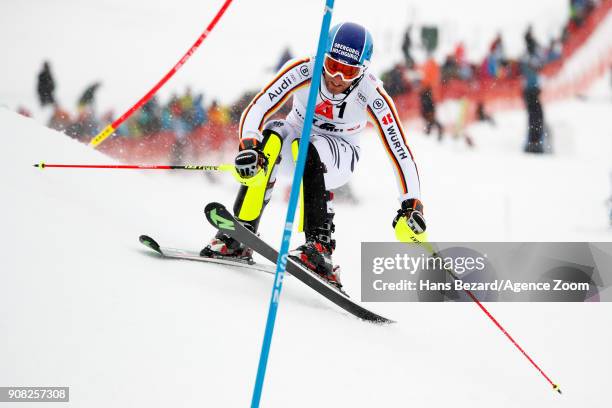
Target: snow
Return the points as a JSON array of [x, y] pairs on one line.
[[83, 304]]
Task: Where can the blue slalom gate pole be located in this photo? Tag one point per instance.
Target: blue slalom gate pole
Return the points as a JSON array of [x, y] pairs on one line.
[[281, 262]]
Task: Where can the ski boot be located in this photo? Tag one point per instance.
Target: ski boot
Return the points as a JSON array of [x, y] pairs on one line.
[[224, 246], [317, 258], [316, 254]]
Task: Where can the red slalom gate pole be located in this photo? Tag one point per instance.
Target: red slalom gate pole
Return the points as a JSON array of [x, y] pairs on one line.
[[430, 248], [108, 130], [494, 320]]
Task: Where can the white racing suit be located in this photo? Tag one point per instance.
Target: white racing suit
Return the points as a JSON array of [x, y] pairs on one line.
[[334, 148]]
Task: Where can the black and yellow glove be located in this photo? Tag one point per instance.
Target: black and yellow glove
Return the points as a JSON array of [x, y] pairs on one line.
[[250, 159], [409, 223], [251, 163]]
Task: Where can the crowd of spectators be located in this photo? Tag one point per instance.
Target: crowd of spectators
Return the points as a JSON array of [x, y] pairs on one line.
[[183, 114], [496, 65], [429, 79]]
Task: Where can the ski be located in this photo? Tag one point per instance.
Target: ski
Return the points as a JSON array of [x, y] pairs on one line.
[[176, 253], [222, 219]]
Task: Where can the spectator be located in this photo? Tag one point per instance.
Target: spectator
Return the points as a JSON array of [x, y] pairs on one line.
[[46, 86], [406, 48], [88, 97], [430, 84], [186, 100], [285, 56], [394, 81], [495, 59], [176, 110], [459, 129], [218, 115], [497, 48], [149, 117], [181, 129], [430, 74], [553, 53], [133, 127], [482, 115], [241, 104], [85, 125], [460, 53], [465, 71], [530, 42], [428, 112], [531, 63], [450, 69], [60, 120], [187, 112], [579, 10], [166, 118], [199, 116]]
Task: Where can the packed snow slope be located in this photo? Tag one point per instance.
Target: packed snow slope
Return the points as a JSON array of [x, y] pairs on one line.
[[82, 304]]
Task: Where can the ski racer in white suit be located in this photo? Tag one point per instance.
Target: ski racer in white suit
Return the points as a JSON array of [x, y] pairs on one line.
[[348, 97]]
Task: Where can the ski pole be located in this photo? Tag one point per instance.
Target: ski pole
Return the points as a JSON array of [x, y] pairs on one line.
[[230, 168], [430, 248], [220, 167], [108, 130]]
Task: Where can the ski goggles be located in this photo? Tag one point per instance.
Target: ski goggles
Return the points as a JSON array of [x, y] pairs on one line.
[[348, 72]]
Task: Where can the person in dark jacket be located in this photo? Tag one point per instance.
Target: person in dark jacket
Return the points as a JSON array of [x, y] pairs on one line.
[[428, 112], [531, 64], [530, 42], [394, 80], [46, 86], [407, 48], [285, 56], [88, 96]]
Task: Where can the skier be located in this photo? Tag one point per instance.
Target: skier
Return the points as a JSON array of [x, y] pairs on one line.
[[347, 97]]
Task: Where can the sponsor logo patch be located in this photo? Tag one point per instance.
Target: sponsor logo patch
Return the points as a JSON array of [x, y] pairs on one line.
[[378, 104], [278, 91], [394, 138], [361, 98], [304, 70], [388, 119], [275, 124], [326, 126]]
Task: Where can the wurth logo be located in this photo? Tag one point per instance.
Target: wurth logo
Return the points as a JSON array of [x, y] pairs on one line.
[[395, 142], [388, 119]]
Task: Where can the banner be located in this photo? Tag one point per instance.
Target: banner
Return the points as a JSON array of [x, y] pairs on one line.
[[493, 272]]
